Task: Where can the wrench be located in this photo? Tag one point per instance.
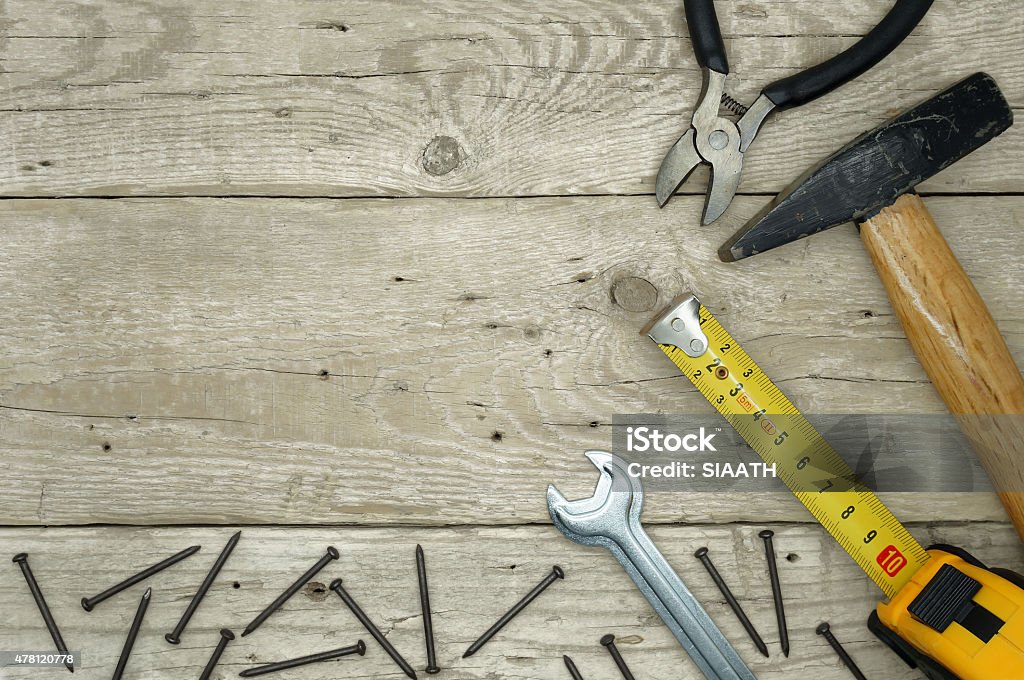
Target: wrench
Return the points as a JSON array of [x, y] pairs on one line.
[[611, 519]]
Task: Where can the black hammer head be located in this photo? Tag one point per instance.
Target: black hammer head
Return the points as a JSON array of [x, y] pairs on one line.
[[874, 170]]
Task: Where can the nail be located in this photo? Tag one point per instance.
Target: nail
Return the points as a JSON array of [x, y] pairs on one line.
[[174, 637], [608, 641], [226, 636], [428, 624], [556, 574], [88, 603], [358, 648], [372, 629], [332, 554], [133, 633], [702, 555], [21, 559], [826, 631], [573, 671], [773, 575]]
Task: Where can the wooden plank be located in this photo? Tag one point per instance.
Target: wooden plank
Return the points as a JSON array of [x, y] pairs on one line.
[[444, 98], [163, 357], [476, 574]]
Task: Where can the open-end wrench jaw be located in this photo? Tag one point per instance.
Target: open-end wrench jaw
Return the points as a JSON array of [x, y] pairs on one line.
[[614, 507]]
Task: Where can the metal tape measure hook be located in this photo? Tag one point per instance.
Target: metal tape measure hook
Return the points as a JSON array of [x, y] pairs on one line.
[[680, 327]]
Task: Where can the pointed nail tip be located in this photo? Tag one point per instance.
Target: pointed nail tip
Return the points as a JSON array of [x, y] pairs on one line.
[[469, 653]]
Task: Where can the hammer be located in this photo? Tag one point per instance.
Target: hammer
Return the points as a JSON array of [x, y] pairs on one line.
[[871, 181]]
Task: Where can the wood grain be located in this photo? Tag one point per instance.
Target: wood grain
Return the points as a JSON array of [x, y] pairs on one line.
[[417, 370], [958, 342], [445, 98], [475, 575], [164, 358]]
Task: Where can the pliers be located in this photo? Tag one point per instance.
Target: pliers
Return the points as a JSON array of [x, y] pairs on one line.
[[721, 142]]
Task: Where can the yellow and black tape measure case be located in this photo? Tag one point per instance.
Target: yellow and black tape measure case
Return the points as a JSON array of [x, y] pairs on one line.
[[947, 613]]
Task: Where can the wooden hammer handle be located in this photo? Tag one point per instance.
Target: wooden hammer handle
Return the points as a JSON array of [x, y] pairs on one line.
[[956, 339]]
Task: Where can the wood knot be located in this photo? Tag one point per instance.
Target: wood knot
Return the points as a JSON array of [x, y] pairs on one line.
[[634, 294], [442, 156]]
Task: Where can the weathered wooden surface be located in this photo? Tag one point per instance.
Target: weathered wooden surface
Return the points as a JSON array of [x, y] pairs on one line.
[[446, 98], [161, 350], [417, 370], [476, 574]]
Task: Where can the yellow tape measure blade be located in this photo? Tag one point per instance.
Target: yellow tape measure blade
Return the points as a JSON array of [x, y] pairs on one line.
[[814, 471]]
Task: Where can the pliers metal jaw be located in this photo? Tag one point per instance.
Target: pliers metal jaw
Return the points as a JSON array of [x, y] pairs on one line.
[[720, 142], [716, 141]]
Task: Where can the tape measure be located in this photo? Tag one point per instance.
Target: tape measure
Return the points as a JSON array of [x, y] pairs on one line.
[[814, 471], [948, 614]]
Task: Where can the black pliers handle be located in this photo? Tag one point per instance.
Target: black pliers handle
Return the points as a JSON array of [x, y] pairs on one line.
[[721, 143], [819, 80]]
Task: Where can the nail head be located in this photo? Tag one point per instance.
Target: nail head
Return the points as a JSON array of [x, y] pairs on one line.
[[20, 557], [767, 533], [822, 629], [700, 552], [607, 640]]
